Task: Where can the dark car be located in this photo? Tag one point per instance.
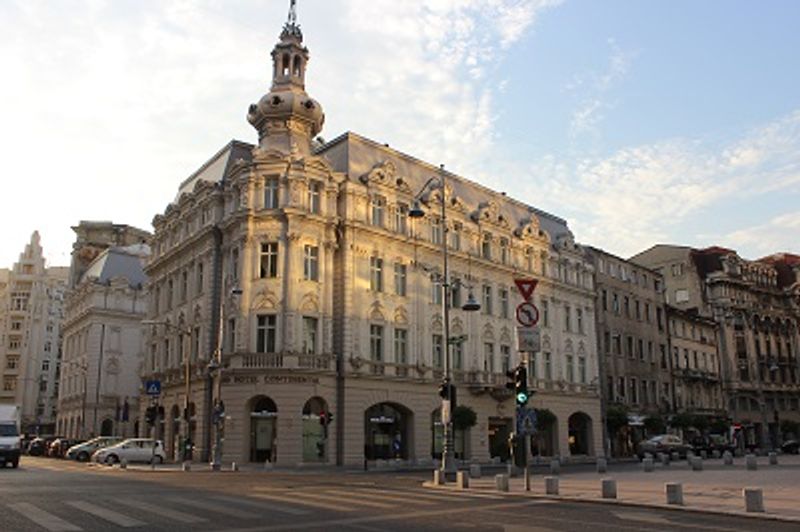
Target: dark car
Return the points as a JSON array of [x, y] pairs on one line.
[[711, 443], [665, 443], [58, 448], [791, 447], [40, 445]]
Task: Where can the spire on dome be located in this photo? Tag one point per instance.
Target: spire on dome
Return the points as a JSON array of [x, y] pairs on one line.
[[292, 13], [292, 28]]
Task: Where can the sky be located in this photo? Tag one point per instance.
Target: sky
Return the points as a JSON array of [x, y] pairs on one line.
[[638, 122]]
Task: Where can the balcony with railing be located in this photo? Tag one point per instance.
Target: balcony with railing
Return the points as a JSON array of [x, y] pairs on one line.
[[285, 360]]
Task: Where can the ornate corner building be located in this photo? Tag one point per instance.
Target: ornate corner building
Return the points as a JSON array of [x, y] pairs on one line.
[[299, 261]]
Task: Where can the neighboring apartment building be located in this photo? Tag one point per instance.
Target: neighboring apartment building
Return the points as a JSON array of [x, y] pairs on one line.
[[633, 343], [695, 364], [337, 307], [30, 319], [756, 305], [102, 333]]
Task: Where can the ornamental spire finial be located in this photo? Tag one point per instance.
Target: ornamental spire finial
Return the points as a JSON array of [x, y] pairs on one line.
[[292, 21]]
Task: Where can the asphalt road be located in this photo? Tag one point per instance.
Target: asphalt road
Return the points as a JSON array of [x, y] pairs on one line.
[[54, 495]]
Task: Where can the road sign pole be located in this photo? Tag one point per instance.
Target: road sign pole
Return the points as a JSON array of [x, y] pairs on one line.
[[526, 449]]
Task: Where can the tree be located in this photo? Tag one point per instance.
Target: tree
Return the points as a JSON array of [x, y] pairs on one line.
[[464, 417], [655, 424], [544, 419], [616, 418], [681, 421]]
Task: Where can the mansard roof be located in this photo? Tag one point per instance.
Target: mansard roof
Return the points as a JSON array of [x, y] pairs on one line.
[[119, 262], [359, 157], [218, 166]]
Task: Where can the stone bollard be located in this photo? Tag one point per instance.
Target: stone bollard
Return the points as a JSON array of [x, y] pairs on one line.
[[438, 477], [186, 466], [555, 467], [773, 458], [751, 462], [123, 464], [727, 458], [462, 480], [704, 454], [602, 465], [501, 482], [234, 466], [697, 463], [674, 491], [475, 471], [664, 459], [715, 454], [647, 465], [608, 488], [753, 499], [551, 485]]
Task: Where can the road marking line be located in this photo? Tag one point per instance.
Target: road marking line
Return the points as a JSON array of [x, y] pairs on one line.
[[218, 508], [397, 498], [104, 513], [42, 518], [260, 505], [164, 512], [642, 517], [304, 502], [349, 496]]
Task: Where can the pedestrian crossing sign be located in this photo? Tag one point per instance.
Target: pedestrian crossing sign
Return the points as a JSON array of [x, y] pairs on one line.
[[153, 387]]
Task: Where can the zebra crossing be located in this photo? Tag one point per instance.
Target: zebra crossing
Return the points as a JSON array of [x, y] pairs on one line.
[[208, 509]]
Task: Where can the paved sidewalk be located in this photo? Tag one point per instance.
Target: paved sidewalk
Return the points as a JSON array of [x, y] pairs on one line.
[[718, 488]]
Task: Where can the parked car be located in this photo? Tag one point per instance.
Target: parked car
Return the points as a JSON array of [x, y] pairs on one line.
[[58, 448], [664, 443], [82, 452], [791, 447], [711, 443], [40, 445], [132, 450]]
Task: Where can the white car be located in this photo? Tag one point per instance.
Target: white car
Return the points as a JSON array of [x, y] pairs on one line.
[[132, 450]]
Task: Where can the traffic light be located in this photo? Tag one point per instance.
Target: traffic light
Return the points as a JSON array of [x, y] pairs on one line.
[[447, 391], [150, 415], [521, 385]]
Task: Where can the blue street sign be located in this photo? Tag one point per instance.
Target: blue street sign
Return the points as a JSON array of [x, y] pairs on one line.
[[153, 387], [526, 421]]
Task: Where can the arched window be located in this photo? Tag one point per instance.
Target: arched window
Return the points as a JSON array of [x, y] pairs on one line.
[[286, 61], [298, 63]]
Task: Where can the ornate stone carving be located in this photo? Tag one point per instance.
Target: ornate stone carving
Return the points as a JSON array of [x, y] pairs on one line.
[[382, 172]]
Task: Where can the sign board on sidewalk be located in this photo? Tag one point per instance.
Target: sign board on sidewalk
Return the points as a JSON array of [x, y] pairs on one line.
[[526, 287], [153, 387], [528, 340], [526, 421]]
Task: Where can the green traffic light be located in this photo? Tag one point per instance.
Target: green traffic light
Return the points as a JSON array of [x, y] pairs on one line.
[[522, 398]]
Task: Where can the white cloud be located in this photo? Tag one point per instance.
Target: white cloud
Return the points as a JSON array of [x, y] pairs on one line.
[[778, 234]]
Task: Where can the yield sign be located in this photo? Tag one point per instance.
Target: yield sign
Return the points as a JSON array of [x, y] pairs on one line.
[[526, 287]]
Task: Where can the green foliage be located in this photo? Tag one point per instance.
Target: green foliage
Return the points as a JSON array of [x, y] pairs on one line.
[[720, 426], [616, 417], [682, 420], [701, 423], [464, 417], [544, 419], [655, 424]]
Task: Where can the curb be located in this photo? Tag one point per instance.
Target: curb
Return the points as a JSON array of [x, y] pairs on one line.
[[618, 502]]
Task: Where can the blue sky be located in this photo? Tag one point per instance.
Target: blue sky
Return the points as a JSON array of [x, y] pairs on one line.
[[639, 122]]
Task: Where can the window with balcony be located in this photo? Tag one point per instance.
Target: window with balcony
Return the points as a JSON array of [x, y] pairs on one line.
[[310, 327], [376, 343], [401, 218], [582, 370], [570, 368], [487, 300], [436, 231], [199, 278], [401, 346], [503, 296], [271, 193], [505, 358], [268, 260], [488, 353], [438, 351], [266, 333], [548, 365]]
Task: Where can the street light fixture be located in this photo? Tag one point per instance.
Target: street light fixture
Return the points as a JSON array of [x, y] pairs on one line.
[[416, 211], [187, 452]]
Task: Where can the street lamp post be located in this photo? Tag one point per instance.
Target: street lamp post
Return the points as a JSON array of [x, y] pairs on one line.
[[448, 459], [186, 335], [215, 369]]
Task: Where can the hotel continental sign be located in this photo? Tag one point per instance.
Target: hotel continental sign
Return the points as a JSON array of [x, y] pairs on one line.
[[329, 301]]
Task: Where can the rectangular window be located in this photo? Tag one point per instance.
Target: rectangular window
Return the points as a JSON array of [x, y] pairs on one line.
[[610, 387], [46, 365], [643, 393], [378, 205], [266, 332], [268, 260], [663, 349], [400, 279], [184, 285], [533, 370], [582, 370], [401, 218], [567, 318], [455, 292], [311, 263], [235, 264], [488, 352], [436, 292], [627, 307], [570, 373], [632, 385], [545, 313], [376, 343], [604, 299], [199, 278], [621, 388], [505, 358], [12, 362], [606, 342], [647, 316], [486, 246], [503, 295], [640, 345], [376, 274], [401, 346], [638, 309], [309, 335], [548, 366], [196, 344], [487, 300], [529, 260], [455, 236], [438, 351], [615, 303], [169, 294], [271, 193], [457, 350], [232, 335], [314, 197], [436, 231], [579, 317], [504, 252]]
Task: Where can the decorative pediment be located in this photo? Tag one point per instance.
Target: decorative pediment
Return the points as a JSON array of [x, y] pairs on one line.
[[310, 303], [581, 349], [505, 335], [264, 299], [488, 332], [528, 228], [457, 326], [489, 212], [568, 346], [437, 323], [376, 312], [546, 343], [383, 172]]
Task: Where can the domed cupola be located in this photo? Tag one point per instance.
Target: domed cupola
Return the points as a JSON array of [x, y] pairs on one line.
[[286, 117]]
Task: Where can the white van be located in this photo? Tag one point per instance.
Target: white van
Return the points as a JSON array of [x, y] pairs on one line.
[[9, 435]]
